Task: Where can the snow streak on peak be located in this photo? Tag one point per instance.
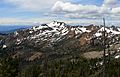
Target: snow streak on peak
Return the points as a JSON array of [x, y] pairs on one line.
[[110, 30], [56, 24], [56, 31]]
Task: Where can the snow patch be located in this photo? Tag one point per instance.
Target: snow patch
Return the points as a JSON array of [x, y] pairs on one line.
[[31, 32], [116, 57], [16, 33], [84, 30], [98, 34], [4, 46], [109, 30]]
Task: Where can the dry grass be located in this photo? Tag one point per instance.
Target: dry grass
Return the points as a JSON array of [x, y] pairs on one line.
[[36, 55], [95, 54]]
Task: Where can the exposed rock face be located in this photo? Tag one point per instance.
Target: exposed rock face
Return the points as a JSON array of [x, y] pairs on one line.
[[56, 31], [57, 36], [35, 55]]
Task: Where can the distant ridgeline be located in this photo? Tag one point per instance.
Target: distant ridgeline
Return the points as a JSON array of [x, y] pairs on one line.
[[5, 29]]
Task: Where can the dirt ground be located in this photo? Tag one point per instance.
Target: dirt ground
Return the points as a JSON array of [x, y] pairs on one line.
[[95, 54]]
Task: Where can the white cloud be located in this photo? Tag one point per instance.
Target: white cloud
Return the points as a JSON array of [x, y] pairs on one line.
[[78, 10], [109, 8], [87, 11], [78, 15], [104, 9], [60, 6], [18, 21], [116, 10], [110, 2], [33, 5]]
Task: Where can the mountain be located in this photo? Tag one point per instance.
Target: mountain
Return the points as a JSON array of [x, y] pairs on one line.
[[57, 45], [6, 29], [3, 34], [58, 36]]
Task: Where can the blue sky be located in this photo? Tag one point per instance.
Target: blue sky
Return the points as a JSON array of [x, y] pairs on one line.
[[93, 2], [69, 11]]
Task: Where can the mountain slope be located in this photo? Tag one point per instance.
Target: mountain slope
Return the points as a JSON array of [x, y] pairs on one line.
[[59, 37]]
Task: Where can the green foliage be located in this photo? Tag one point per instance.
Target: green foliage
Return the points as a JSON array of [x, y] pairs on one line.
[[73, 67], [113, 68], [8, 67], [31, 71], [67, 67]]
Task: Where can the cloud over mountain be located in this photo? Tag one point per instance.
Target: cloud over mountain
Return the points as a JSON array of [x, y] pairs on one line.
[[71, 10]]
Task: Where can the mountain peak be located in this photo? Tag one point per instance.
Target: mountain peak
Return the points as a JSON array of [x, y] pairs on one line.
[[56, 24]]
